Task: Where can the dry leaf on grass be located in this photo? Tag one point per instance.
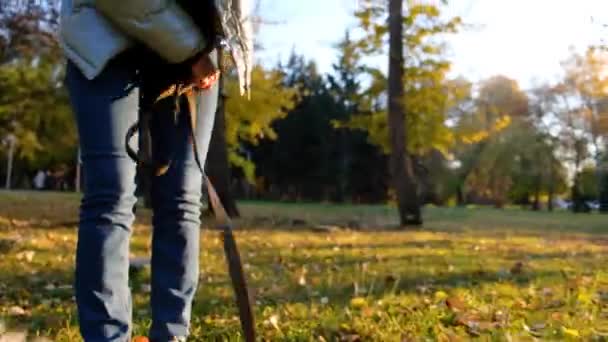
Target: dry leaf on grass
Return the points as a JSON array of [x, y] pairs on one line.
[[455, 304]]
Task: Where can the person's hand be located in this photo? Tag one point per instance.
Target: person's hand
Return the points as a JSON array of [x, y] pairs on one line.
[[204, 73]]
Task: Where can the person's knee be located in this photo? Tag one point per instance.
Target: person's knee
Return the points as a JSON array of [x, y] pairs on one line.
[[109, 192], [178, 197], [177, 205]]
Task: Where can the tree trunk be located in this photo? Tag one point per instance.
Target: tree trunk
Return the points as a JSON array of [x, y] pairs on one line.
[[551, 189], [536, 203], [604, 194], [578, 204], [218, 168], [460, 200], [9, 162], [603, 170], [574, 193], [400, 163]]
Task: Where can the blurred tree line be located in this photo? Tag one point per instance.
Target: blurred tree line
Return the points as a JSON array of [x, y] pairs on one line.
[[34, 107], [308, 136]]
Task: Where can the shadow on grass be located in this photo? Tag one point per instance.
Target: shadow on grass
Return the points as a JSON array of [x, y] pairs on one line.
[[341, 295]]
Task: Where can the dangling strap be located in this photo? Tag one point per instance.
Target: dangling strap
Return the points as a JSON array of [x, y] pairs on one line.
[[235, 266], [233, 258]]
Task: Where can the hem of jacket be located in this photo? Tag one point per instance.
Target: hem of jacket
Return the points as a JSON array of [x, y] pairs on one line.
[[89, 69]]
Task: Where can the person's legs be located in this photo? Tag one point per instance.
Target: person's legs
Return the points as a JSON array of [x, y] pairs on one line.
[[104, 107], [176, 201]]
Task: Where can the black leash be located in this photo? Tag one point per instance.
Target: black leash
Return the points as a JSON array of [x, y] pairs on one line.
[[224, 223]]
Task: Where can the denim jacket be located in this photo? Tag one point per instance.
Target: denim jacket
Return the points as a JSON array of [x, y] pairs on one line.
[[92, 32]]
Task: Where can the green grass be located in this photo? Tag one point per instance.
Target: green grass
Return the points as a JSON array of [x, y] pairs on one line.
[[474, 273]]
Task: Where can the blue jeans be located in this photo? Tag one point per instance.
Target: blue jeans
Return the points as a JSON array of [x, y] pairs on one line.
[[105, 108]]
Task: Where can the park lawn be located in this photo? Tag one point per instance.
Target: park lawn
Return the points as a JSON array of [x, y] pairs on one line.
[[474, 273]]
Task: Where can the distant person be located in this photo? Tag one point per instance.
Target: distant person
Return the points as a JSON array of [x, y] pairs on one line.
[[39, 180], [107, 43]]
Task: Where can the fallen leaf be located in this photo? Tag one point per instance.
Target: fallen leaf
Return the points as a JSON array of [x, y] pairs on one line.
[[472, 328], [584, 297], [302, 279], [26, 255], [13, 337], [487, 326], [440, 295], [358, 302], [16, 311], [455, 304], [41, 339], [20, 223], [274, 321], [367, 312], [556, 316], [570, 332], [520, 303], [498, 316], [350, 338], [538, 326], [532, 331]]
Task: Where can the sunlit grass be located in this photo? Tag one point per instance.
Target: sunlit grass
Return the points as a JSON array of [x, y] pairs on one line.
[[470, 273]]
